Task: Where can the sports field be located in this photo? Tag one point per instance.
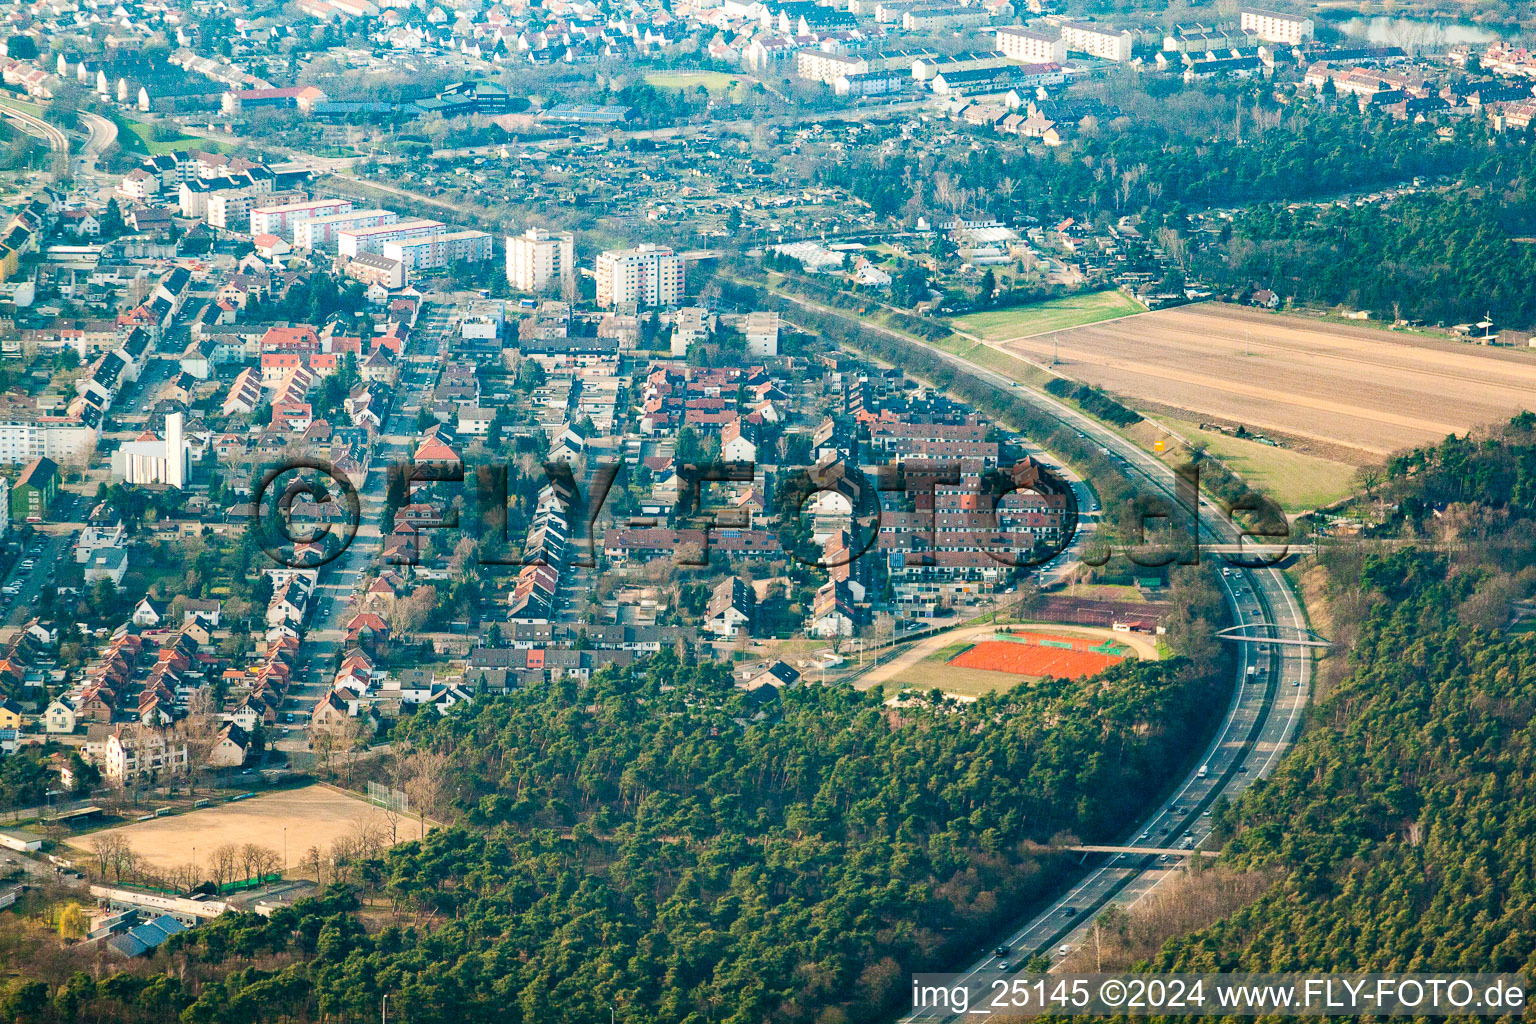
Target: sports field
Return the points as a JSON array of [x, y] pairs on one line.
[[313, 816], [932, 662], [1051, 315], [1349, 394], [717, 82], [1038, 655]]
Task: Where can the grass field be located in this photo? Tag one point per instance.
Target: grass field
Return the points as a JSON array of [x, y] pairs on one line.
[[1353, 395], [140, 138], [717, 82], [1296, 480], [1052, 315], [313, 816], [22, 105]]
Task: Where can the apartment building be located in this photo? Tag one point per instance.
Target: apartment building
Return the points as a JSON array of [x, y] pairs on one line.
[[651, 275], [321, 232], [429, 251], [26, 434], [135, 754], [941, 17], [1097, 40], [281, 220], [379, 270], [354, 242], [1274, 27], [819, 66], [537, 257], [1031, 46], [929, 66]]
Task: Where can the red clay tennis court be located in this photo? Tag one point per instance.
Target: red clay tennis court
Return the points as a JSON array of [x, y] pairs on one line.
[[1041, 654]]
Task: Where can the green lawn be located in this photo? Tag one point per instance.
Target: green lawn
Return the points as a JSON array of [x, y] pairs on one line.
[[717, 82], [1052, 315], [1296, 480], [30, 108], [140, 138]]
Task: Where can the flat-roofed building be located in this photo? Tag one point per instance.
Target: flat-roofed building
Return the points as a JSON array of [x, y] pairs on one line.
[[429, 251], [651, 275], [1031, 46], [354, 242], [538, 257], [1275, 27], [282, 219], [1097, 40], [321, 232]]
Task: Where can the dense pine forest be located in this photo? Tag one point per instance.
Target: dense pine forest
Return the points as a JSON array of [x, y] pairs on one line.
[[653, 842], [1403, 825]]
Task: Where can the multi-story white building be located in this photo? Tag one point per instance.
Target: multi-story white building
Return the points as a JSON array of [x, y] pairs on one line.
[[651, 275], [146, 752], [1097, 40], [1274, 27], [1030, 46], [353, 242], [281, 220], [321, 232], [931, 17], [537, 257], [230, 209], [762, 332], [154, 461], [814, 65], [439, 250], [26, 434]]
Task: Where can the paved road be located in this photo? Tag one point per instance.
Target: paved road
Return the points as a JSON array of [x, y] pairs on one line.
[[1259, 725], [103, 134], [37, 128], [326, 634], [51, 549]]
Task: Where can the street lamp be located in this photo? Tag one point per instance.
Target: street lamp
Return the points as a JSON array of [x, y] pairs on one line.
[[384, 1010], [285, 851]]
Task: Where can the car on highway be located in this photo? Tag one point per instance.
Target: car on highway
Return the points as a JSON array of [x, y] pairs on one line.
[[1063, 950], [1002, 951]]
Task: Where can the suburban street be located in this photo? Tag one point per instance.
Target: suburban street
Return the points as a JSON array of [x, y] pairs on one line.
[[326, 634]]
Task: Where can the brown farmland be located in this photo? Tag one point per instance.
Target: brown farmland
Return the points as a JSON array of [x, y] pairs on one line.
[[1359, 392]]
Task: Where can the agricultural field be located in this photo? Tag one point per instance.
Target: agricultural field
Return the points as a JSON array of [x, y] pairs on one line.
[[312, 816], [1351, 395], [1003, 325]]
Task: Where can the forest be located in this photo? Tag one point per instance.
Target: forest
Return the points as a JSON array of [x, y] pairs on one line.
[[1447, 257], [1401, 825], [646, 842]]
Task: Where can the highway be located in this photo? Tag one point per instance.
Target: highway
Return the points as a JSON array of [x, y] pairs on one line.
[[37, 127], [1258, 727]]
